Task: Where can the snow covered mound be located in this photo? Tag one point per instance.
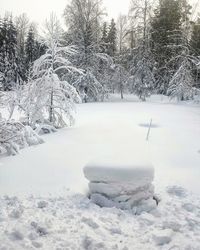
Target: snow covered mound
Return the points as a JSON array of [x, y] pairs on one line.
[[121, 185]]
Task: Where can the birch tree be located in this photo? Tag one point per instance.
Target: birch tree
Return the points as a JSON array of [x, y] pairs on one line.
[[49, 99]]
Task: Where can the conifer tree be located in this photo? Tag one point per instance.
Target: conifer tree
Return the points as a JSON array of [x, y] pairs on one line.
[[112, 39], [195, 38], [10, 61], [104, 39], [83, 20], [30, 48], [168, 38]]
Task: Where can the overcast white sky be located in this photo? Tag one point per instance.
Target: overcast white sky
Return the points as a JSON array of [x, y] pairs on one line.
[[39, 10]]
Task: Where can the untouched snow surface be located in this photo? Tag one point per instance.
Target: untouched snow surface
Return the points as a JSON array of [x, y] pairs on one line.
[[108, 130], [67, 221]]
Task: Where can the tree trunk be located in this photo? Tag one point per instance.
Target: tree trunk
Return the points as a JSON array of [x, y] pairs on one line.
[[121, 91], [51, 107]]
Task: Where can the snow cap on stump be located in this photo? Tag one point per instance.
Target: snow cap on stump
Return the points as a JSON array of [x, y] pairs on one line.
[[120, 183]]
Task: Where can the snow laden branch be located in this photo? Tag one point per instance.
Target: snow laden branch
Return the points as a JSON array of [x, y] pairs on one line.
[[14, 136], [51, 100]]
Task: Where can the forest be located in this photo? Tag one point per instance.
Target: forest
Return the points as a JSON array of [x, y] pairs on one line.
[[154, 49]]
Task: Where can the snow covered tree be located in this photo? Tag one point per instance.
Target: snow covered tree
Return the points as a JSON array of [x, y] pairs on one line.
[[10, 63], [22, 25], [122, 33], [33, 48], [141, 63], [112, 39], [83, 20], [104, 40], [142, 79], [30, 49], [195, 38], [181, 85], [51, 100], [169, 32]]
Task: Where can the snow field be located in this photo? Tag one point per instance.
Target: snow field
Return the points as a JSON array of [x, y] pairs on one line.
[[65, 220]]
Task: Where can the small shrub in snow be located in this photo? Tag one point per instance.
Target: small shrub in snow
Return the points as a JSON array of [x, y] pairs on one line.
[[89, 88], [14, 136]]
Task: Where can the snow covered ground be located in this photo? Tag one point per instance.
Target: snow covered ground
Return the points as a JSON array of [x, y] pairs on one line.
[[66, 220], [73, 223]]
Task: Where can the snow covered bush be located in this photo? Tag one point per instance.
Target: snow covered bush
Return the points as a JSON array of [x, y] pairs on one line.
[[89, 88], [49, 99], [14, 136]]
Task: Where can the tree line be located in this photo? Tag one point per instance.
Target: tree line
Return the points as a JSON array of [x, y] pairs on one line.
[[153, 49]]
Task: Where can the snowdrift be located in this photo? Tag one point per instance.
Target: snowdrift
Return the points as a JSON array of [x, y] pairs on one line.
[[121, 185]]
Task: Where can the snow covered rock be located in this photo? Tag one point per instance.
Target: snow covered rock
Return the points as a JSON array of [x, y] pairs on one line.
[[121, 184]]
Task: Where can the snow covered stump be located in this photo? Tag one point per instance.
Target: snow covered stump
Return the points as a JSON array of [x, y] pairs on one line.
[[122, 186]]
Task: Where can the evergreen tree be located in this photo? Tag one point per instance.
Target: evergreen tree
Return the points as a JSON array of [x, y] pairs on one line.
[[30, 48], [112, 39], [33, 49], [10, 61], [104, 39], [169, 38], [195, 49], [83, 19], [195, 38], [22, 24], [181, 85], [140, 62]]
